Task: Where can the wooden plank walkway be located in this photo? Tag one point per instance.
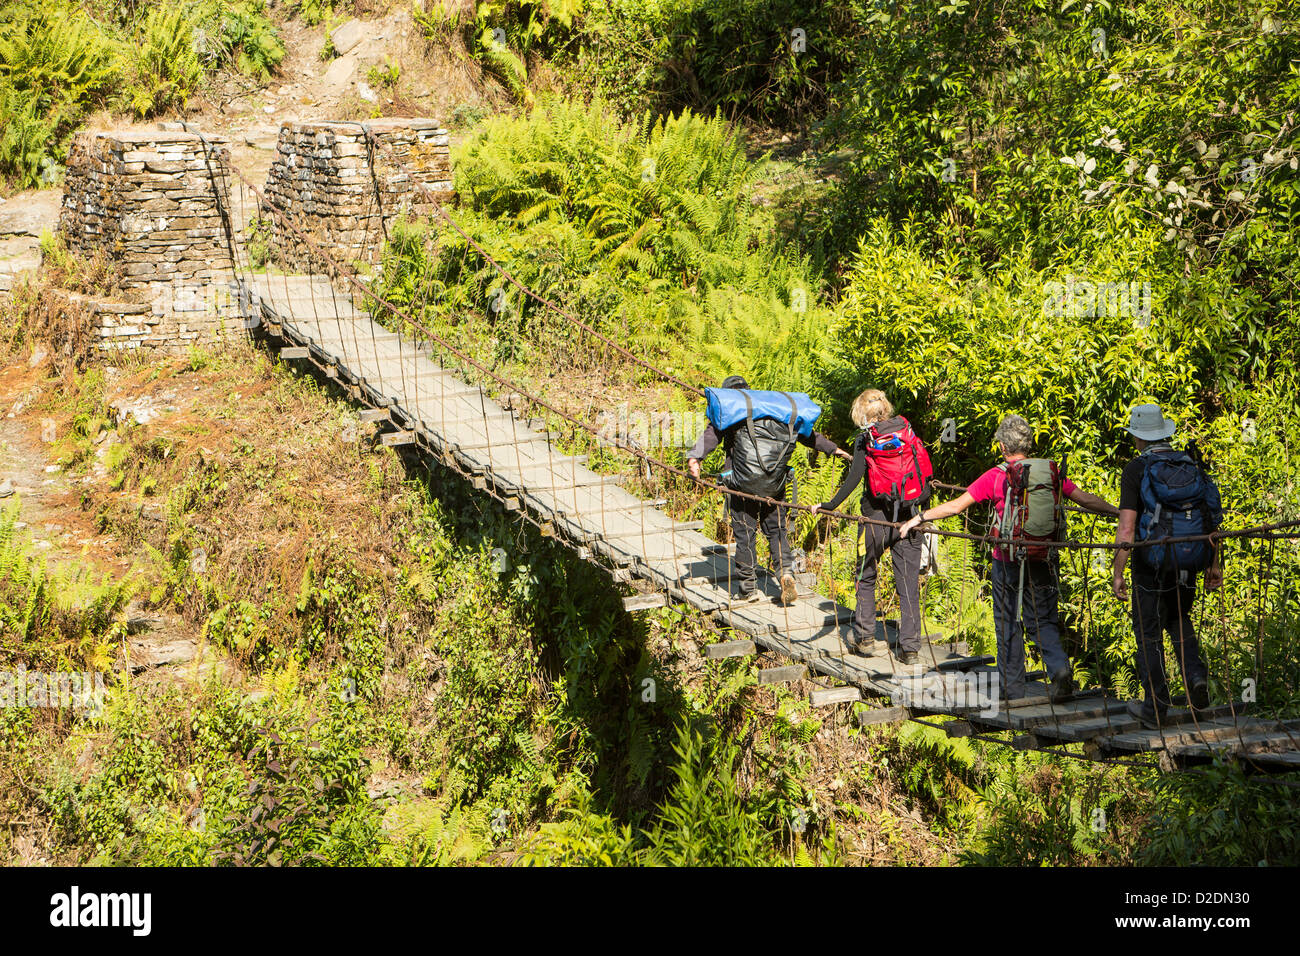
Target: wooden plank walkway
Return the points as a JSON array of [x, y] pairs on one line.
[[522, 464]]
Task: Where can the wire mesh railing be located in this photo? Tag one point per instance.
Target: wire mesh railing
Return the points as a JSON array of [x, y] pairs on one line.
[[541, 451]]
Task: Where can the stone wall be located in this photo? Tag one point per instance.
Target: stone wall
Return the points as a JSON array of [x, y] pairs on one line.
[[324, 182], [148, 199]]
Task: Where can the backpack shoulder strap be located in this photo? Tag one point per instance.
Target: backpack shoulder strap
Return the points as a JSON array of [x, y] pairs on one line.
[[749, 422], [1149, 503], [794, 412]]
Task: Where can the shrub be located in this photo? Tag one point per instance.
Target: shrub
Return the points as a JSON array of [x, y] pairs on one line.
[[167, 68], [56, 63]]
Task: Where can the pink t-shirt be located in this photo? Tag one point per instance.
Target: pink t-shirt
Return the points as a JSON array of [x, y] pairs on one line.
[[992, 486]]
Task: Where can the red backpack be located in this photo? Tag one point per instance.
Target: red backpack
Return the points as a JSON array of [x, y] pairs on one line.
[[898, 466]]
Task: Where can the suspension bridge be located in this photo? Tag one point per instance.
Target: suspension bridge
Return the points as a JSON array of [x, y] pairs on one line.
[[440, 402]]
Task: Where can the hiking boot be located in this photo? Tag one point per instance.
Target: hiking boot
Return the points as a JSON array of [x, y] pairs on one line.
[[1199, 695], [865, 646], [908, 658], [1062, 686], [749, 596], [1138, 712], [788, 589]]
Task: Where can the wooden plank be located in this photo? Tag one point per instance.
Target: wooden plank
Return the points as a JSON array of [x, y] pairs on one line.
[[1064, 711], [672, 529], [374, 414], [1241, 743], [705, 551], [1231, 731], [778, 675], [1143, 740], [1035, 697], [834, 695], [883, 715], [963, 663], [398, 438], [295, 352], [1172, 725], [642, 602], [503, 443], [1080, 730], [729, 649], [1275, 761], [536, 487]]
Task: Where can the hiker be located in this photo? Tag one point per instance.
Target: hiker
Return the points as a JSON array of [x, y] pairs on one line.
[[895, 470], [1165, 494], [757, 447], [1027, 493]]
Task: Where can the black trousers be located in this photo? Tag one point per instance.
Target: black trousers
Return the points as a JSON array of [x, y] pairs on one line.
[[747, 518], [905, 553], [1161, 603], [1032, 613]]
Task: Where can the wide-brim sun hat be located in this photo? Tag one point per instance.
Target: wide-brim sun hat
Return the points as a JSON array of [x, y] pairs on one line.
[[1149, 423]]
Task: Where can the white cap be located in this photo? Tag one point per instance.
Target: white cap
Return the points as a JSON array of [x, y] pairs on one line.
[[1149, 423]]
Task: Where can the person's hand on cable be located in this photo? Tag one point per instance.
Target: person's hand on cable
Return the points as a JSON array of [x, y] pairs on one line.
[[910, 525]]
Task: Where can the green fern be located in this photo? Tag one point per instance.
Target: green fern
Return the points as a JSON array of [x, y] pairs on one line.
[[167, 68], [56, 64]]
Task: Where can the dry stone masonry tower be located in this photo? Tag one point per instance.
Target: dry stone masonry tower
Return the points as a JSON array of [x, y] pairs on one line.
[[345, 193], [157, 204]]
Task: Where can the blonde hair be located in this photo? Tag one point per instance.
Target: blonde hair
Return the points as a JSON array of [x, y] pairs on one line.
[[870, 406]]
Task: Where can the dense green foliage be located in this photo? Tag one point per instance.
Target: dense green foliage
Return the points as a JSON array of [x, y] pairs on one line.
[[61, 61], [1060, 210], [970, 162]]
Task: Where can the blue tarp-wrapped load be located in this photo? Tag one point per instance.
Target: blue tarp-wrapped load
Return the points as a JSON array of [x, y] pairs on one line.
[[726, 407]]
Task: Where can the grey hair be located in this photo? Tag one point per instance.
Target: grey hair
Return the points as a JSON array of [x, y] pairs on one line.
[[1015, 436]]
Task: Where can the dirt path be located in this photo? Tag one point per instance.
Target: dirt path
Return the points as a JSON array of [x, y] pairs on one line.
[[48, 498]]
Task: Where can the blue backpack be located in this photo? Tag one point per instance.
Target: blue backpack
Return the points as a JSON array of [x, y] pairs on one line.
[[1179, 500]]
